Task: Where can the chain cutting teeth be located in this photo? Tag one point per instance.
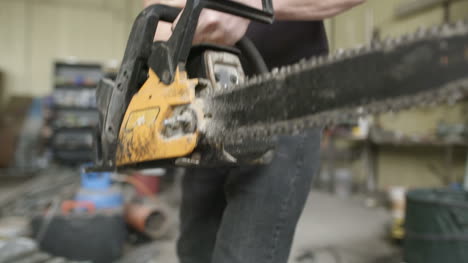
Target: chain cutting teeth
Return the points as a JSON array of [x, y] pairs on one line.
[[451, 92]]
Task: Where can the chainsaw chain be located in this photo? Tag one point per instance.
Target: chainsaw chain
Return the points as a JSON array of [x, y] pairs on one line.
[[449, 93]]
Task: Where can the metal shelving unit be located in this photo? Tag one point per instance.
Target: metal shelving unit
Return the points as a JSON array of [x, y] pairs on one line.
[[74, 112]]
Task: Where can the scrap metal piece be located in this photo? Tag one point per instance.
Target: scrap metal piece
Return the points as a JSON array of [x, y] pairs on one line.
[[153, 220]]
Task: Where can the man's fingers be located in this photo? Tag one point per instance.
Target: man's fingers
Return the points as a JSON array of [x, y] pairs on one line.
[[163, 31], [176, 21], [213, 26]]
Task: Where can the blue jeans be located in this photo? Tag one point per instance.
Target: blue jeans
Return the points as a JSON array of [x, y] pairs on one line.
[[248, 214]]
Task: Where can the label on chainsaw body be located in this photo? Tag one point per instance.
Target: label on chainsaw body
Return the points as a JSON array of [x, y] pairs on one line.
[[142, 117]]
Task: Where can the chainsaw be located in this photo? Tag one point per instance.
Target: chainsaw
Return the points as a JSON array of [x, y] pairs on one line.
[[173, 103]]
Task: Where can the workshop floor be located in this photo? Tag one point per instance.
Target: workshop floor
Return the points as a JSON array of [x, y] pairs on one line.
[[332, 230], [9, 185]]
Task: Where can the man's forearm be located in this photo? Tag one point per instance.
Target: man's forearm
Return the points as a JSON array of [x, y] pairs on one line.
[[290, 9], [311, 9], [224, 29]]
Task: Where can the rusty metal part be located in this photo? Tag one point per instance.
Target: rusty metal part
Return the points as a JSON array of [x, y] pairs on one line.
[[152, 220], [157, 124], [69, 205]]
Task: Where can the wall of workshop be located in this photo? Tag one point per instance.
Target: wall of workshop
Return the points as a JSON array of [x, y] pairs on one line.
[[35, 33], [407, 166]]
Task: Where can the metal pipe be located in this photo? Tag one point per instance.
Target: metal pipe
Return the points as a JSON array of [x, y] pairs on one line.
[[152, 220]]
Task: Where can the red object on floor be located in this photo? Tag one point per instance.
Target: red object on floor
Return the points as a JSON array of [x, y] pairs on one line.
[[150, 182], [69, 205]]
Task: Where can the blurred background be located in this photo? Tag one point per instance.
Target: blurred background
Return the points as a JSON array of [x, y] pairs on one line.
[[54, 52]]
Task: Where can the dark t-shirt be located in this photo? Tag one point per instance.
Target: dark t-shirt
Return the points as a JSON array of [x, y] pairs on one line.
[[287, 42]]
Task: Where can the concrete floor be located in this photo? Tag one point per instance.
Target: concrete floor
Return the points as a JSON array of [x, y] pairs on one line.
[[344, 231], [331, 230], [9, 185]]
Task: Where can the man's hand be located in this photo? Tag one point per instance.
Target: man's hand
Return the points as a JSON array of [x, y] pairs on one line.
[[213, 27], [219, 28], [163, 31]]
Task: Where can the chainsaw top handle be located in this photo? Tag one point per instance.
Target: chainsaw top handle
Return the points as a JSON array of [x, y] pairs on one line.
[[167, 56]]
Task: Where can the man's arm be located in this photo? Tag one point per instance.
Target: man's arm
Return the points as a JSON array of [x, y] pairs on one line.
[[290, 9], [225, 29], [311, 9]]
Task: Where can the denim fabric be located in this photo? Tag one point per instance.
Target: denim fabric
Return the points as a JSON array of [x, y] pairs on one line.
[[248, 214]]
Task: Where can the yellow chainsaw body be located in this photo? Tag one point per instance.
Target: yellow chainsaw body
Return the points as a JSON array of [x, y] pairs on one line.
[[141, 136]]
